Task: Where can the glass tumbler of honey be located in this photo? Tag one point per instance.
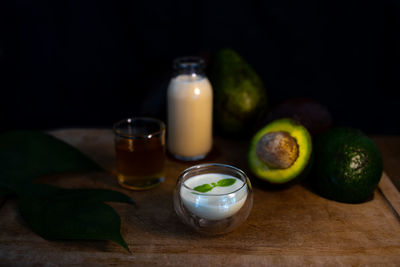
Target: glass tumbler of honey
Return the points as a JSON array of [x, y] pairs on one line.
[[140, 152]]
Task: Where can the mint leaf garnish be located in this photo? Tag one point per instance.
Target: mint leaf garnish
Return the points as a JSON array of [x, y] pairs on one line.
[[207, 187], [226, 182], [203, 188]]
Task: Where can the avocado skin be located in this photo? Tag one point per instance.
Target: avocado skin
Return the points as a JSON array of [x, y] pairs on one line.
[[348, 165], [239, 95], [311, 114]]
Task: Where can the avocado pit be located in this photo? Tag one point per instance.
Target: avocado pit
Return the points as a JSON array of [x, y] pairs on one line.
[[277, 149]]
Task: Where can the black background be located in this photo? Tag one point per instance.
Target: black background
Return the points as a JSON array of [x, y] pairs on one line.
[[90, 63]]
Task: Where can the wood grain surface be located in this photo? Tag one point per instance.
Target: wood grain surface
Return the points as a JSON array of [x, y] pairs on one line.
[[390, 149], [287, 226]]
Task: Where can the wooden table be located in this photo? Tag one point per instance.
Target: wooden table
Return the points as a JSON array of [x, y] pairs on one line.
[[287, 227]]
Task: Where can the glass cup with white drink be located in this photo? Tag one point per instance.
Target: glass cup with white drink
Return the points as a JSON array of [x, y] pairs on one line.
[[213, 198]]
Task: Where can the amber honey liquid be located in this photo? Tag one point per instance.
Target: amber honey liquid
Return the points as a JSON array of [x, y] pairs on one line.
[[140, 162]]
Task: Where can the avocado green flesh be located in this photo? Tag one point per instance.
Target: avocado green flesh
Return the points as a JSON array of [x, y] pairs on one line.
[[304, 143], [348, 165]]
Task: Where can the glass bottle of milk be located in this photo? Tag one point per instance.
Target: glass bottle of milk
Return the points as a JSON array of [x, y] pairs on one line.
[[189, 101]]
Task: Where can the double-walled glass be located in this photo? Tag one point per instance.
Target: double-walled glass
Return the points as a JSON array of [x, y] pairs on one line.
[[140, 152], [204, 208]]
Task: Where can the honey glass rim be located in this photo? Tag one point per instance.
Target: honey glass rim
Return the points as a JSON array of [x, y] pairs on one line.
[[149, 135]]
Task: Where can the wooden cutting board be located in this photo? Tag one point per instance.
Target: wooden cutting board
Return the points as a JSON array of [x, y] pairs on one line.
[[291, 226]]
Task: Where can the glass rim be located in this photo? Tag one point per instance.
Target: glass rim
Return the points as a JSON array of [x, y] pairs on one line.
[[188, 62], [204, 165], [129, 120]]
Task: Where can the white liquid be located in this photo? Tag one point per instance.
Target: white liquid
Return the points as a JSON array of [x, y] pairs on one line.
[[216, 204], [189, 116]]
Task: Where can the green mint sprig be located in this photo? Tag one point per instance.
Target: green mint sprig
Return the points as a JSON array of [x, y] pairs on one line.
[[208, 187]]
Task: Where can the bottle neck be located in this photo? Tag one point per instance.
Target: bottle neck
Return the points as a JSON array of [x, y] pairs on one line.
[[193, 66]]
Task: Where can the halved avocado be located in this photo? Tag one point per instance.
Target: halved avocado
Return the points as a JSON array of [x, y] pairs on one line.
[[280, 151]]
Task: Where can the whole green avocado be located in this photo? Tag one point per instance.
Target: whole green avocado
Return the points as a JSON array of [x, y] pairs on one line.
[[348, 165], [239, 95]]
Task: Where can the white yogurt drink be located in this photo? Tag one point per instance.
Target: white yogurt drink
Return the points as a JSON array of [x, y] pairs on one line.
[[219, 203], [189, 101]]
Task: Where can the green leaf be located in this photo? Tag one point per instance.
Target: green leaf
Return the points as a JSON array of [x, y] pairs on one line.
[[29, 154], [46, 208], [52, 212], [100, 195], [206, 187], [72, 219], [226, 182], [87, 195], [203, 188]]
